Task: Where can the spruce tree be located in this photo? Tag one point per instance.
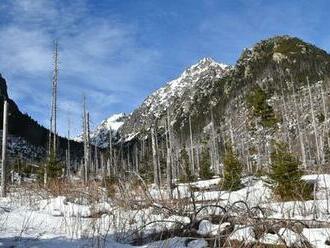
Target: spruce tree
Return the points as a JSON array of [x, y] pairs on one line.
[[187, 175], [232, 171], [53, 166], [205, 164], [286, 175], [257, 100]]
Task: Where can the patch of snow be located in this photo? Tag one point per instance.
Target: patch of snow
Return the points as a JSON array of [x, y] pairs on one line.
[[242, 233], [206, 228], [291, 238]]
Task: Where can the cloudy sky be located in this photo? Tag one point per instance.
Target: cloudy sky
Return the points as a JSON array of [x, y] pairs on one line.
[[116, 52]]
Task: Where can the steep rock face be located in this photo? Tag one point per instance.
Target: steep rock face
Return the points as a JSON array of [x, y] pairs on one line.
[[175, 95]]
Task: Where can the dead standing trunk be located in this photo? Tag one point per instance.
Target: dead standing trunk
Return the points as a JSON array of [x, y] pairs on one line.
[[4, 150], [314, 122], [169, 176], [154, 158], [191, 148]]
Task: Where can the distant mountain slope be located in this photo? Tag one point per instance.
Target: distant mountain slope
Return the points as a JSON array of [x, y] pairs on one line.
[[279, 90], [101, 135], [23, 126]]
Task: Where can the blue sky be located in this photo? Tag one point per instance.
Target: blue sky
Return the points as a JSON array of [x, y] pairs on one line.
[[116, 52]]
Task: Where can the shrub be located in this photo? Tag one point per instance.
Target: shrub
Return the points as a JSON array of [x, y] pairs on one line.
[[110, 184]]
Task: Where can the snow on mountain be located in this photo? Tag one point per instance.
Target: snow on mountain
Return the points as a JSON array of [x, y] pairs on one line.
[[114, 122], [20, 147], [100, 135], [164, 97], [195, 80]]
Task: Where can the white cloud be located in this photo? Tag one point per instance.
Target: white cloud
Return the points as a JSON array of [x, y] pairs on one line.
[[99, 57]]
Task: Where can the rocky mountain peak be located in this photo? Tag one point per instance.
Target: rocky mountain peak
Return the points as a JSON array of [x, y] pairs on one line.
[[280, 47], [164, 97], [205, 64], [100, 135], [174, 94]]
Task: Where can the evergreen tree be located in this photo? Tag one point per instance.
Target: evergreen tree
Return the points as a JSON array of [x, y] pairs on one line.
[[205, 164], [257, 100], [286, 175], [53, 166], [186, 176], [232, 171]]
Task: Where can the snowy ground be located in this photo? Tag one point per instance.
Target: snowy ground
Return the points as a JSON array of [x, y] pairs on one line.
[[33, 220]]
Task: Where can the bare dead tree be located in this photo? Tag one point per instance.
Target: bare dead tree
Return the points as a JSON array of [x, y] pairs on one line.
[[326, 123], [169, 176], [4, 150], [103, 168], [214, 153], [52, 139], [54, 96], [154, 158], [286, 119], [96, 159], [68, 163], [110, 161], [191, 148], [86, 141], [300, 131], [158, 156], [129, 158], [136, 155], [313, 122]]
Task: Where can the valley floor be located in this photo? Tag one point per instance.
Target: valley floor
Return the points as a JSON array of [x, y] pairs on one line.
[[199, 215]]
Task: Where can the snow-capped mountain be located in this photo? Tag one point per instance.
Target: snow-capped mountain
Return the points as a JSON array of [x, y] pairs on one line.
[[181, 91], [101, 134], [275, 91], [165, 96]]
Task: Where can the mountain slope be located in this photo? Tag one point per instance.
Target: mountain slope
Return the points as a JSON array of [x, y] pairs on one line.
[[178, 93], [291, 76], [25, 128], [279, 90], [101, 134]]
